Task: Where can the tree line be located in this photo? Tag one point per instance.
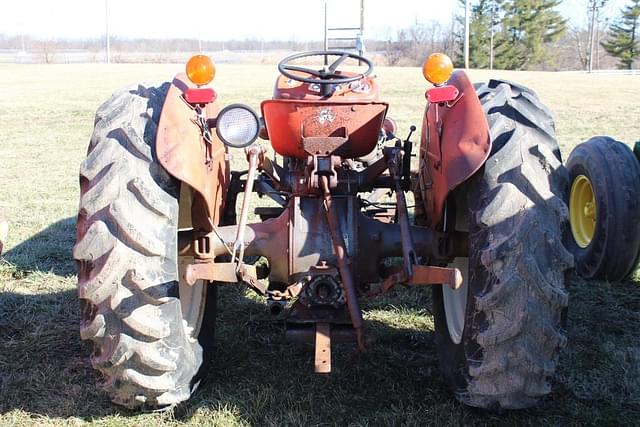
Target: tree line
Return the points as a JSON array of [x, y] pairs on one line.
[[624, 36], [505, 34], [526, 34]]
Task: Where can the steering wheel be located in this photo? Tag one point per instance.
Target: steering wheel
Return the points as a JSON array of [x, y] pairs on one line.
[[327, 76]]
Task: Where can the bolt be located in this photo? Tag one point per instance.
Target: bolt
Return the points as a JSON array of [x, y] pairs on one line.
[[589, 210], [275, 309]]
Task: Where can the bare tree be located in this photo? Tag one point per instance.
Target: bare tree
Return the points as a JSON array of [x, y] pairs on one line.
[[415, 43], [580, 40], [398, 49], [48, 47]]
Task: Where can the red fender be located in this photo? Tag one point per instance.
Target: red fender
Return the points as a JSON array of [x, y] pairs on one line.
[[184, 154], [454, 144]]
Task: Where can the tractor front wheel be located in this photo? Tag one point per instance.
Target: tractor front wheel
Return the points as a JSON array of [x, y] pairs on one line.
[[604, 208]]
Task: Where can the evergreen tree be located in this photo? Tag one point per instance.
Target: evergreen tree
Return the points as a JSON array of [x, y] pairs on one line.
[[479, 32], [526, 27], [624, 36]]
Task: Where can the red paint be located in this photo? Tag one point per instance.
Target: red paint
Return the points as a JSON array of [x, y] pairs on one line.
[[365, 89], [454, 145], [183, 153], [199, 96], [440, 94], [289, 121]]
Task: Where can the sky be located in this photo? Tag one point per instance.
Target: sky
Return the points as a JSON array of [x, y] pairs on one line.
[[232, 19]]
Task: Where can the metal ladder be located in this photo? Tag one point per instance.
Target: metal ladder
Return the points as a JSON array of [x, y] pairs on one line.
[[345, 38]]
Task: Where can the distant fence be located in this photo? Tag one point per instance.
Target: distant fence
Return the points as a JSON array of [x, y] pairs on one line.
[[635, 72], [265, 56], [86, 56], [260, 56]]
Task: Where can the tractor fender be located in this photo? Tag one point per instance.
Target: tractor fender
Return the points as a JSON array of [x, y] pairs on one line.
[[454, 144], [183, 152]]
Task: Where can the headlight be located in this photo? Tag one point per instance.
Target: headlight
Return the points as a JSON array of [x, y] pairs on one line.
[[237, 125]]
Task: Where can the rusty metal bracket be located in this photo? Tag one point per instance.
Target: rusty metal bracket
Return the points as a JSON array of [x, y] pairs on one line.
[[323, 348], [422, 275], [321, 160], [247, 274], [322, 165], [430, 275], [201, 245], [211, 271], [225, 272], [272, 170], [324, 145]]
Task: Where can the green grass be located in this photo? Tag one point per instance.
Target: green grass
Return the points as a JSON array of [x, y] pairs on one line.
[[46, 116]]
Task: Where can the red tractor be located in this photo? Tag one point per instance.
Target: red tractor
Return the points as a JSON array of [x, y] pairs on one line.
[[158, 229]]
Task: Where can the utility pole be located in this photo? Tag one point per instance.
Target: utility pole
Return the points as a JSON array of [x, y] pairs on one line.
[[466, 33], [592, 23], [326, 35], [360, 46], [493, 23], [594, 6], [106, 19], [22, 45], [597, 43], [362, 19]]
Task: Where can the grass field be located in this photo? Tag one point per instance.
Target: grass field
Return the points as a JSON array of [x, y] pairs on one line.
[[46, 117]]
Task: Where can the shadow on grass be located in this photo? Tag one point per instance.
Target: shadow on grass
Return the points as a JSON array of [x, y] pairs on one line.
[[44, 368], [47, 251], [46, 371], [258, 379], [261, 380]]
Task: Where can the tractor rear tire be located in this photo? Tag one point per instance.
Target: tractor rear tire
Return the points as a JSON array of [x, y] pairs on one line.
[[605, 239], [500, 348], [148, 332]]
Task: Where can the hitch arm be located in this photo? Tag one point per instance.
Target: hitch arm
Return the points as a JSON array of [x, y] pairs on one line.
[[394, 161], [412, 273], [343, 263], [254, 152]]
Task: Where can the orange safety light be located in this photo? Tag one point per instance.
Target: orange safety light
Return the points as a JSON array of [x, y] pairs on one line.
[[200, 69], [437, 68]]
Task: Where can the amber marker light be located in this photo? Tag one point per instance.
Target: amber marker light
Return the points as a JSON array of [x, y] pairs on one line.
[[437, 68], [200, 69]]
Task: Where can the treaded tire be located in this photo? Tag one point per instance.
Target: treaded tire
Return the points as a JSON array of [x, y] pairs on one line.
[[614, 173], [515, 312], [126, 253]]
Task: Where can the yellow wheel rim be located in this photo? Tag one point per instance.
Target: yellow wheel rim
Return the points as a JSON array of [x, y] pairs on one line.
[[582, 211]]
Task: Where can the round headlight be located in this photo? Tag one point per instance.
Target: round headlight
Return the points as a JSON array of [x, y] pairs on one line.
[[237, 125]]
